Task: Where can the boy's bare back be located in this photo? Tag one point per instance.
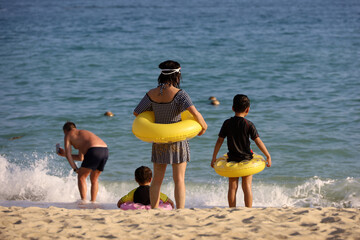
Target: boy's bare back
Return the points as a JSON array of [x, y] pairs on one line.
[[83, 140]]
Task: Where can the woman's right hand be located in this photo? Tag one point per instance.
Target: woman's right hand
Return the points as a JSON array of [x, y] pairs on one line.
[[199, 118], [202, 132]]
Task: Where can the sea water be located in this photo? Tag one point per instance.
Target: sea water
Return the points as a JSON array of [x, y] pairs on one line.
[[298, 61]]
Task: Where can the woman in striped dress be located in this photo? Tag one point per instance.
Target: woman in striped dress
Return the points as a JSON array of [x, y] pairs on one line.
[[168, 101]]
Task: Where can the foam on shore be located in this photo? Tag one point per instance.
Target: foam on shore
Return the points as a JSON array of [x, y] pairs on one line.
[[38, 184]]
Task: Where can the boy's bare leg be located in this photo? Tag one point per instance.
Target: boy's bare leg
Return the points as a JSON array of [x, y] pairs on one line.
[[233, 186], [159, 173], [246, 186], [82, 175], [94, 176], [179, 180]]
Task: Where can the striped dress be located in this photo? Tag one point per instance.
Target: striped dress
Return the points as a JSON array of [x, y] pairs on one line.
[[166, 113]]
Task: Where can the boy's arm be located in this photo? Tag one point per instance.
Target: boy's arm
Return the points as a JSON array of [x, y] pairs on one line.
[[78, 157], [120, 202], [171, 202], [68, 154], [163, 197], [263, 149], [217, 147], [127, 198], [166, 199]]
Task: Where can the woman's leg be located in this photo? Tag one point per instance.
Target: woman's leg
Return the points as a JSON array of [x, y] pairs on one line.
[[233, 187], [179, 180], [159, 173], [246, 186]]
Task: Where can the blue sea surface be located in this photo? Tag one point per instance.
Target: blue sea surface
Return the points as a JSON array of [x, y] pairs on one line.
[[298, 61]]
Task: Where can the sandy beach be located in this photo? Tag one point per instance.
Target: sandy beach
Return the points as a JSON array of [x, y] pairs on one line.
[[214, 223]]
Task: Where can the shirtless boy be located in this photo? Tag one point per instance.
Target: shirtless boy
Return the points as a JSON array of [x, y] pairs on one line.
[[93, 153]]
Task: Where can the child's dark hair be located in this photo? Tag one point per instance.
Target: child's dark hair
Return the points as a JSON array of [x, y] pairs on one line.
[[241, 103], [68, 126], [143, 175], [173, 78]]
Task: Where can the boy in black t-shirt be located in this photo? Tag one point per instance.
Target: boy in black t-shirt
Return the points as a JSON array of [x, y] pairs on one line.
[[238, 130]]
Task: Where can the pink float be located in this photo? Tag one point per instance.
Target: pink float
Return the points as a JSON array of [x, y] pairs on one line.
[[134, 206]]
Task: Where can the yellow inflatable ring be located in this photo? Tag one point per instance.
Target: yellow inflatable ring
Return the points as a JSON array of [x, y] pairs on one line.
[[145, 128], [241, 169]]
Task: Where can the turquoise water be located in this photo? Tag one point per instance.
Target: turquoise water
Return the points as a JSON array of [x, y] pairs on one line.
[[296, 60]]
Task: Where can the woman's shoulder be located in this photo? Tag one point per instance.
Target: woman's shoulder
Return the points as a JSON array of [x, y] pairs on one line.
[[153, 94], [153, 91], [182, 93]]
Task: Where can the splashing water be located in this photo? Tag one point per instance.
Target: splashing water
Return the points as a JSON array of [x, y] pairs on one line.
[[37, 182]]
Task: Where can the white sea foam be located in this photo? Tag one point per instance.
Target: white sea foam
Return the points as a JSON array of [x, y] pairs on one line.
[[37, 185], [314, 192]]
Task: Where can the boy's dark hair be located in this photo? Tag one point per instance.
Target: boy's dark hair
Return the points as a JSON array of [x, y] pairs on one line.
[[143, 175], [241, 103], [174, 78], [68, 126]]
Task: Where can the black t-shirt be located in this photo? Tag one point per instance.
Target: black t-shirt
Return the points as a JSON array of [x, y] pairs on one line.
[[142, 195], [238, 130]]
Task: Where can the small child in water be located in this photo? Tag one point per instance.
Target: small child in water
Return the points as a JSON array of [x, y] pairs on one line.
[[238, 131], [141, 194]]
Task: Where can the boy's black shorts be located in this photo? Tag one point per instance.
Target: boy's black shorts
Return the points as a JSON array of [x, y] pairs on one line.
[[96, 158]]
